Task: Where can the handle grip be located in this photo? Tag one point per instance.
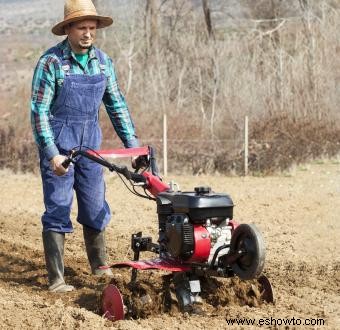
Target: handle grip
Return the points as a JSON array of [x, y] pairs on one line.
[[125, 171], [136, 177], [66, 163]]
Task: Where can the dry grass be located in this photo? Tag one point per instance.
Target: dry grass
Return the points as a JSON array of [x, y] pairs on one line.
[[17, 153]]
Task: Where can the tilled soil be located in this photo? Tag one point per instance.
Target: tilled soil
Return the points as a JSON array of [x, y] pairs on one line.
[[298, 215]]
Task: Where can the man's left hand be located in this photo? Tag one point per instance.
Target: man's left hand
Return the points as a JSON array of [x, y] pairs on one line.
[[138, 162]]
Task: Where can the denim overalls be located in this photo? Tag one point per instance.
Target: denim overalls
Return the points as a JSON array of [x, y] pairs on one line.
[[74, 121]]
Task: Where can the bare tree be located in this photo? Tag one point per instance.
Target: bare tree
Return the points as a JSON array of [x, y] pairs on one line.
[[207, 17], [151, 26], [101, 34]]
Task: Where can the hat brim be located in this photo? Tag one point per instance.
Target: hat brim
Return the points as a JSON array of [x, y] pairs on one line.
[[103, 21]]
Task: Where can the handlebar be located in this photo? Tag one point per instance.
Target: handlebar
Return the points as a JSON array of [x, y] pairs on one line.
[[66, 163], [135, 177]]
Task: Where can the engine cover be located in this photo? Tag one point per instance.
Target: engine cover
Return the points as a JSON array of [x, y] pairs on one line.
[[199, 205], [179, 234]]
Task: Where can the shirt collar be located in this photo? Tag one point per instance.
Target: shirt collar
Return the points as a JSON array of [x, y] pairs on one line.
[[68, 53]]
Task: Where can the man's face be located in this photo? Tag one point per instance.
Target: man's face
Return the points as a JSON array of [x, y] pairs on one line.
[[81, 35]]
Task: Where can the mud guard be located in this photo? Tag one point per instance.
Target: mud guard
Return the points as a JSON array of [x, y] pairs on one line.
[[157, 263]]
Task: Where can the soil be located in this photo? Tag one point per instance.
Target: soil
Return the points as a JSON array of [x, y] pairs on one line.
[[297, 213]]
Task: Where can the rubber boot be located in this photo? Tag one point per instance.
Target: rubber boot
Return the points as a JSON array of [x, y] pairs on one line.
[[54, 255], [95, 248]]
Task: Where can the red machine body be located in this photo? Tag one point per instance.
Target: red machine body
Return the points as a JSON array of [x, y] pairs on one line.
[[202, 244], [201, 204], [154, 184], [197, 233]]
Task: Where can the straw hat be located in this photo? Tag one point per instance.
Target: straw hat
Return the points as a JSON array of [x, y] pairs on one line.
[[78, 10]]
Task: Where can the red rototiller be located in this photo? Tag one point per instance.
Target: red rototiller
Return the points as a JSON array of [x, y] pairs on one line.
[[197, 234]]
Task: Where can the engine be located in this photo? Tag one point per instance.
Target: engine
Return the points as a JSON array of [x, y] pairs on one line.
[[179, 235], [193, 225]]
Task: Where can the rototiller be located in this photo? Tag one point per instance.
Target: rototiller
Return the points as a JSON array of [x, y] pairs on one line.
[[197, 234]]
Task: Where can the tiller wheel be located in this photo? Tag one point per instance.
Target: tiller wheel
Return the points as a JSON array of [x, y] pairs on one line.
[[248, 243], [112, 303]]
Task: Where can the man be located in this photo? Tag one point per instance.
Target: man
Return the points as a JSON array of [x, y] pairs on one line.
[[69, 84]]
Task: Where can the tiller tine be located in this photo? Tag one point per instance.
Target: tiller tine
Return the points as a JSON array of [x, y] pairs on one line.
[[112, 304], [267, 293]]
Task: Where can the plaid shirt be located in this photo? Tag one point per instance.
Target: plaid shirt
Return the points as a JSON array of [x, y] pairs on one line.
[[46, 85]]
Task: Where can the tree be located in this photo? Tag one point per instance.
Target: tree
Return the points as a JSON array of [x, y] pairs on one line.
[[207, 17], [151, 26], [101, 34]]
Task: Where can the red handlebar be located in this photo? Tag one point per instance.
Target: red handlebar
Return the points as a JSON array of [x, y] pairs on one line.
[[151, 180]]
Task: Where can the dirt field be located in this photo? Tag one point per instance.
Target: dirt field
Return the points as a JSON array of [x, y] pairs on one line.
[[298, 215]]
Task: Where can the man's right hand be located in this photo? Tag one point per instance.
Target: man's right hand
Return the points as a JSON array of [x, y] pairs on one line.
[[139, 162], [56, 166]]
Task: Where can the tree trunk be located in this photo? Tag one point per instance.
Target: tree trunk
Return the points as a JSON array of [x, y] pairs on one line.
[[101, 34], [151, 26], [207, 17]]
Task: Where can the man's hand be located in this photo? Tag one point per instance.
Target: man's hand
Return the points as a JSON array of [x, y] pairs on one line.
[[133, 162], [57, 168], [138, 162]]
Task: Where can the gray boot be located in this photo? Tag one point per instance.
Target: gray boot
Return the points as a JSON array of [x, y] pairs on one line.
[[95, 248], [54, 256]]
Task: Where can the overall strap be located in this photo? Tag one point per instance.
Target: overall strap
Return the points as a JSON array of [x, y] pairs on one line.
[[65, 64], [102, 62]]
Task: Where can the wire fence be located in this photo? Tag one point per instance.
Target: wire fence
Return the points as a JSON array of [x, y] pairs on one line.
[[268, 147]]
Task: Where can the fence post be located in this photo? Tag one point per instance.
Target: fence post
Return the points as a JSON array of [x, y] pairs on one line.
[[165, 146], [246, 144]]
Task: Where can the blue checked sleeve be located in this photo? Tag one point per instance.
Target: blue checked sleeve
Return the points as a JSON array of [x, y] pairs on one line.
[[43, 89], [117, 109]]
